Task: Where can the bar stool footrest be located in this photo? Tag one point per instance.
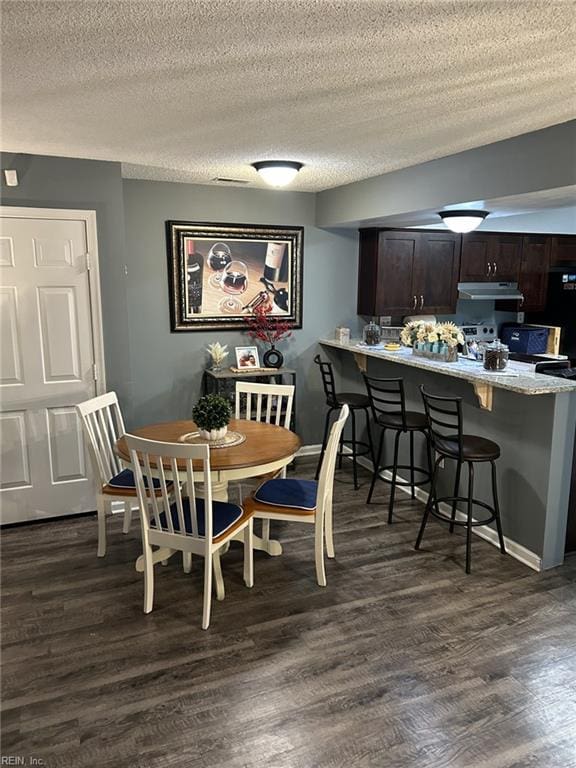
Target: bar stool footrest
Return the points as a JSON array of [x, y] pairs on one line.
[[464, 499], [365, 448], [408, 468]]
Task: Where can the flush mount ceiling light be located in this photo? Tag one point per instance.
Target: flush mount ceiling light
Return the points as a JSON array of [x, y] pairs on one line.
[[464, 220], [277, 173]]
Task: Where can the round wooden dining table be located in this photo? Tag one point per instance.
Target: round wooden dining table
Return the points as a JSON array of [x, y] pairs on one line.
[[267, 448]]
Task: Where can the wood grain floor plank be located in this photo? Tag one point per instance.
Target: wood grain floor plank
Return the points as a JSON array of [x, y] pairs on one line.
[[402, 661]]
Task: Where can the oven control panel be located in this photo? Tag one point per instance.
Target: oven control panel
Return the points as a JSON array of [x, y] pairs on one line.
[[480, 332]]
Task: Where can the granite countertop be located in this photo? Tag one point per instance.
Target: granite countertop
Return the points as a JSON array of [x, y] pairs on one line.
[[523, 382]]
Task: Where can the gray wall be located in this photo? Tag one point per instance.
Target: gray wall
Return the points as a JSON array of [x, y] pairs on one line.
[[157, 374], [167, 367], [57, 182], [535, 161]]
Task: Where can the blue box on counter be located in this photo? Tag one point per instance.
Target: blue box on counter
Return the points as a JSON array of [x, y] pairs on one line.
[[525, 339]]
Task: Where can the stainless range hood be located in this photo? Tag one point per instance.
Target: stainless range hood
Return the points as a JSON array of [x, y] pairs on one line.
[[489, 291]]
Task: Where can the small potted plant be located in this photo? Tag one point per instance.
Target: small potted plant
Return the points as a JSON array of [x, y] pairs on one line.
[[211, 415], [218, 354]]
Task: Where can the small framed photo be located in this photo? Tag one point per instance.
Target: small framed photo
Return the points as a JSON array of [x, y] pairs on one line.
[[247, 357]]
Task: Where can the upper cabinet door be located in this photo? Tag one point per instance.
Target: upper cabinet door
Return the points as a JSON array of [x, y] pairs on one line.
[[475, 263], [534, 271], [436, 270], [394, 291], [563, 250], [505, 255], [490, 256]]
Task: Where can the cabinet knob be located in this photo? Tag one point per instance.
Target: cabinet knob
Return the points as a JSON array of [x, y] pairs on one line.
[[495, 267], [415, 302], [489, 269], [421, 301]]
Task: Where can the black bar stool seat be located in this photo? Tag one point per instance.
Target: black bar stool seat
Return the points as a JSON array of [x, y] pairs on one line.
[[388, 404], [474, 448], [412, 421], [352, 399], [444, 415], [356, 401]]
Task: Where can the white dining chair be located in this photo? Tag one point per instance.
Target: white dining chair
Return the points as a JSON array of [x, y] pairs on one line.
[[103, 425], [304, 501], [270, 403], [189, 524]]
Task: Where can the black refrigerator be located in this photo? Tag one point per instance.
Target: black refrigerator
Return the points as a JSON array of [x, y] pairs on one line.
[[560, 308]]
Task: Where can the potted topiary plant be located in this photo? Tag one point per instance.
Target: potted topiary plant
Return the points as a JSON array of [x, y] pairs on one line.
[[212, 414]]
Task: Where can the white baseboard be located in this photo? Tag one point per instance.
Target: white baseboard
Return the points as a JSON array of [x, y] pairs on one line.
[[309, 450], [517, 551]]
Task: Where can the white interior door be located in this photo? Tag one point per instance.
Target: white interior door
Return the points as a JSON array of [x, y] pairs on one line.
[[47, 365]]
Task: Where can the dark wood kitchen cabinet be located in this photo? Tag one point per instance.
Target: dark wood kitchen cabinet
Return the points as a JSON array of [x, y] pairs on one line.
[[490, 256], [563, 250], [407, 272], [534, 267]]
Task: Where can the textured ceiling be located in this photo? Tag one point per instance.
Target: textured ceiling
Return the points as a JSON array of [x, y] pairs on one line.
[[352, 88]]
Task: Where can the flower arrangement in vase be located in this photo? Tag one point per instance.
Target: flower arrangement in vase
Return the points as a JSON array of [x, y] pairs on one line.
[[438, 341], [271, 330], [212, 416], [218, 353]]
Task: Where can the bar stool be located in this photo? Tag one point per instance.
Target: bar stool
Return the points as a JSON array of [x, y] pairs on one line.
[[445, 413], [355, 402], [388, 403]]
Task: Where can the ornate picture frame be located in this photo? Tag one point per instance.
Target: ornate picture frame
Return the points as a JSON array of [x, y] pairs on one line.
[[219, 273]]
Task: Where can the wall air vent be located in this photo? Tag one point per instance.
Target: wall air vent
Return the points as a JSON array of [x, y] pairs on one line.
[[223, 180]]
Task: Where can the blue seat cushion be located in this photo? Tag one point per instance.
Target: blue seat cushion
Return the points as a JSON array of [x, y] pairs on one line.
[[288, 492], [125, 479], [224, 515]]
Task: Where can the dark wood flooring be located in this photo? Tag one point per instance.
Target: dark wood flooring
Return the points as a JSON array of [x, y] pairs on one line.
[[402, 661]]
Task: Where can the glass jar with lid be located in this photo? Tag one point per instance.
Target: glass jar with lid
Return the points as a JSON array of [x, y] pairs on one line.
[[496, 356], [372, 334]]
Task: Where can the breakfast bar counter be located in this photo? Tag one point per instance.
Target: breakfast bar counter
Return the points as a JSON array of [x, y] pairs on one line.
[[530, 415], [524, 382]]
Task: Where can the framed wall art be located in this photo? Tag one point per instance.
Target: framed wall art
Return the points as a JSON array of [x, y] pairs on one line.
[[219, 273]]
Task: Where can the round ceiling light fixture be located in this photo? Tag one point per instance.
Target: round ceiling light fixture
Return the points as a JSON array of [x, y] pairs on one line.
[[463, 220], [277, 173]]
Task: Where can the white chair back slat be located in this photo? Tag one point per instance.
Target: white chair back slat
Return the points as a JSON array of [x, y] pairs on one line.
[[208, 528], [274, 401], [107, 441], [259, 407], [97, 455], [103, 424], [102, 447], [150, 459], [178, 497], [115, 430], [326, 477], [151, 494], [269, 417], [192, 495], [164, 488]]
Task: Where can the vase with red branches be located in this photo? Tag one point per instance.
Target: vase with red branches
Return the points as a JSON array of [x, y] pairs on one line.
[[263, 326]]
